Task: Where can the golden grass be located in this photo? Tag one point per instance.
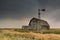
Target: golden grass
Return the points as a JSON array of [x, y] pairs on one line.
[[15, 35]]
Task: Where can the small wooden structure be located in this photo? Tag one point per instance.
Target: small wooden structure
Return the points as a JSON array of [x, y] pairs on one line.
[[37, 24]]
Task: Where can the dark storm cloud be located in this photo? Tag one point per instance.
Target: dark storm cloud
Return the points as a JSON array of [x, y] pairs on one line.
[[23, 8], [19, 9], [15, 8]]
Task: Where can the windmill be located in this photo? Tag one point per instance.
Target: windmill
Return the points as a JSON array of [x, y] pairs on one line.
[[40, 13]]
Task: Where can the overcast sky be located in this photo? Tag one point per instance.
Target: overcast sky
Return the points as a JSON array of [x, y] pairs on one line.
[[15, 13]]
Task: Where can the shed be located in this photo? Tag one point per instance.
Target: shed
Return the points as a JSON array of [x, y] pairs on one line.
[[37, 24]]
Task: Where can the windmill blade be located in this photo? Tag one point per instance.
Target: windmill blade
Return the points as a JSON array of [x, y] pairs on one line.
[[43, 10]]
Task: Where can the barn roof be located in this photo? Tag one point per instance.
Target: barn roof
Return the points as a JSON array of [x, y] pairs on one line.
[[38, 19]]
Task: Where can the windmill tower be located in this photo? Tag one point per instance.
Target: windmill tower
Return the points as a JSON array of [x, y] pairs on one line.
[[39, 13]]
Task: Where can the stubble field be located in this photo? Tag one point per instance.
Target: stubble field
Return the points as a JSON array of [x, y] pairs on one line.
[[19, 34]]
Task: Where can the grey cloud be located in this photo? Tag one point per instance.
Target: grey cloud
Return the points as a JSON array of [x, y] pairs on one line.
[[17, 9]]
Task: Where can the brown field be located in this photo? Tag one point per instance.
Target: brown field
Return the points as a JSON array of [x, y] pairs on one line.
[[19, 34]]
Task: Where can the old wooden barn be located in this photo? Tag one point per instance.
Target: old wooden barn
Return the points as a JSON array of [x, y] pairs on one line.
[[37, 23]]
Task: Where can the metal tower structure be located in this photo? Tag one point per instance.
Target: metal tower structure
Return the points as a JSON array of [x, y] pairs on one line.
[[39, 13]]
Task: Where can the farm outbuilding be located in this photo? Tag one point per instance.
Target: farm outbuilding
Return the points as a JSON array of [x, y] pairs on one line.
[[37, 24]]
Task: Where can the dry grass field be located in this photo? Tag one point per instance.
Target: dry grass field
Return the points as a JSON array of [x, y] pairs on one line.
[[19, 34]]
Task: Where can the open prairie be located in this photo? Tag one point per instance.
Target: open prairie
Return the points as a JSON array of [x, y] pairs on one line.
[[19, 34]]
